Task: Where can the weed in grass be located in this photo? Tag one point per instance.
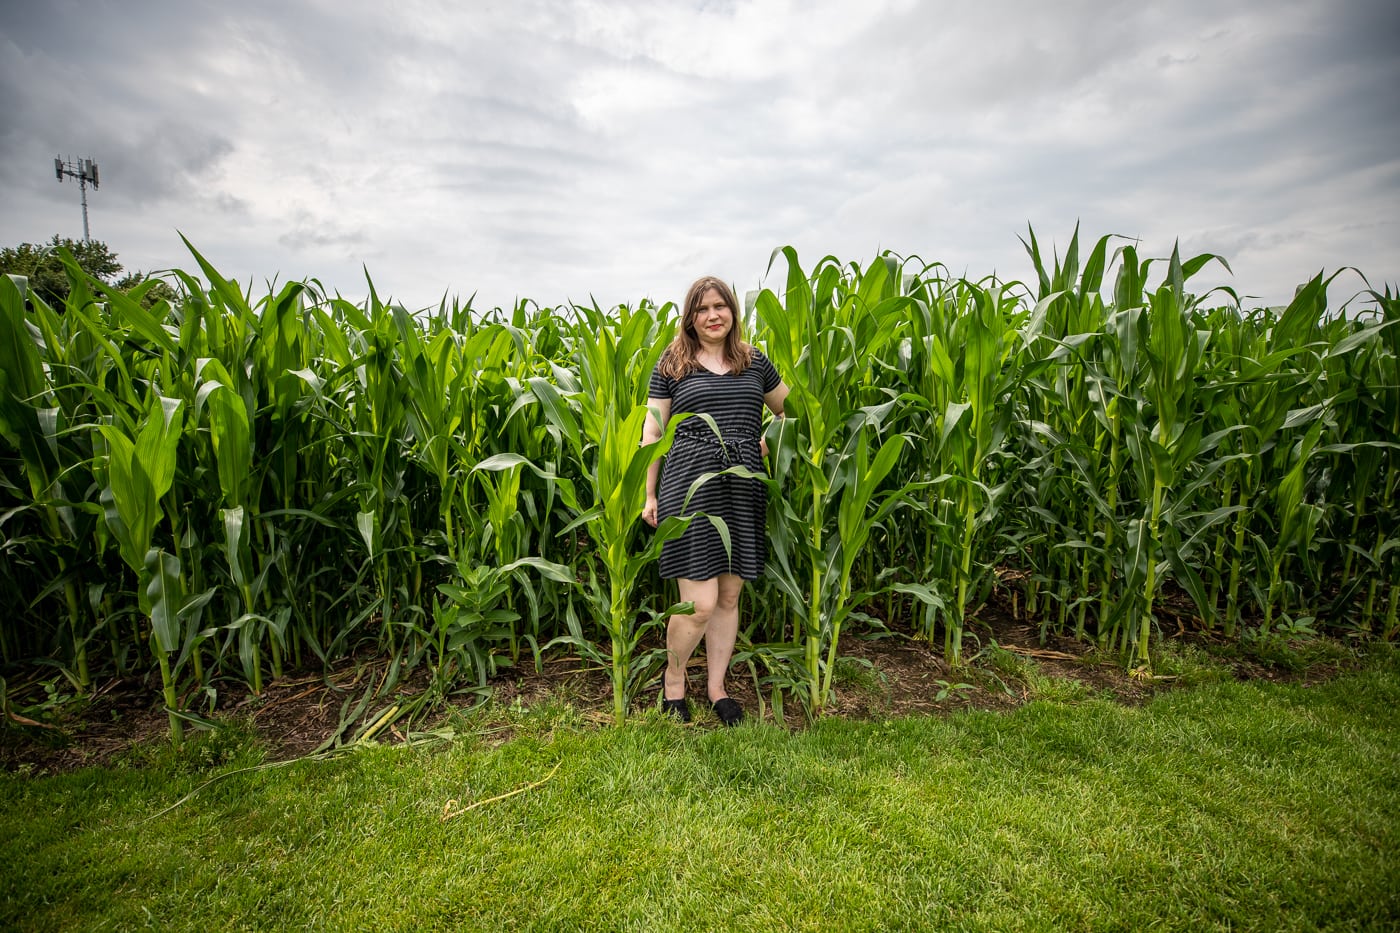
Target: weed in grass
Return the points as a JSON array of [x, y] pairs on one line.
[[57, 702], [996, 668], [45, 714], [234, 743], [1100, 656], [1004, 662], [1381, 656], [466, 720], [1004, 667], [947, 689], [536, 717], [1188, 665], [1057, 689], [860, 676], [1295, 654]]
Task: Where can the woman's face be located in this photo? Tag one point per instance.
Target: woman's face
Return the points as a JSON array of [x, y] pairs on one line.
[[713, 318]]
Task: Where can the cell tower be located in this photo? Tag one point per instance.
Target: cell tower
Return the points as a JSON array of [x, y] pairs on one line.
[[85, 170]]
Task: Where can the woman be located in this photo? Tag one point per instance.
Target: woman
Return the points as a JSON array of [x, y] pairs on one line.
[[709, 368]]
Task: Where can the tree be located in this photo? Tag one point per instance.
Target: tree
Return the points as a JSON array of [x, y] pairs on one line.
[[48, 279], [44, 269]]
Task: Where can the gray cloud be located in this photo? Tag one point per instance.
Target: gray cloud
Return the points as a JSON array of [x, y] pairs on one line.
[[552, 150]]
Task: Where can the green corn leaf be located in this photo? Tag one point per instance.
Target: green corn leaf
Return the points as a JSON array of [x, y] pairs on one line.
[[234, 543], [670, 529], [229, 293], [953, 416], [157, 444], [231, 434], [557, 411], [367, 524], [164, 591], [21, 371], [128, 498], [546, 568]]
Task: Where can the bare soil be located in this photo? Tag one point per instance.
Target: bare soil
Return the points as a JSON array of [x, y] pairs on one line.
[[879, 677]]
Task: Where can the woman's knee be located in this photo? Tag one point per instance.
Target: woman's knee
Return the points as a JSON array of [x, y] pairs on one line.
[[704, 595], [700, 616], [727, 593]]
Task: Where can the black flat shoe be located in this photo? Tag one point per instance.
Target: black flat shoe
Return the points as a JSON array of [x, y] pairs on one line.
[[678, 708], [729, 712]]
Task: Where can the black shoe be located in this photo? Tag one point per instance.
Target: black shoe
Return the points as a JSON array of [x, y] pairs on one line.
[[678, 708], [729, 712]]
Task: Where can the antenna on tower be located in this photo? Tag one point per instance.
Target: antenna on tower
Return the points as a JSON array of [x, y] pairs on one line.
[[85, 170]]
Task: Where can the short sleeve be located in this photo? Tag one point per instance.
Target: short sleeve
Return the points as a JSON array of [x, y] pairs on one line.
[[660, 386], [767, 370]]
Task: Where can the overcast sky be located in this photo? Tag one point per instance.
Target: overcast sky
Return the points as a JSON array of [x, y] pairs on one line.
[[555, 150]]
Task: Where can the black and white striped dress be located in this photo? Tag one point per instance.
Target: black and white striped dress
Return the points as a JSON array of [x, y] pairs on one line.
[[736, 404]]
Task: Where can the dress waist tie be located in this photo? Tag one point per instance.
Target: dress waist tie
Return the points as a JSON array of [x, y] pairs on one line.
[[731, 448]]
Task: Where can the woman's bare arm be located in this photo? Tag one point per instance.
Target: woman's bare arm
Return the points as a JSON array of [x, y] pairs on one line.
[[651, 432], [774, 400]]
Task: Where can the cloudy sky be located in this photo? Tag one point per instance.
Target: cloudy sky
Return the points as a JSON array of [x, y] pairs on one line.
[[554, 150]]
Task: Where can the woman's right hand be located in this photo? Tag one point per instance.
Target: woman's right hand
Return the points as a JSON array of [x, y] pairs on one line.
[[649, 511]]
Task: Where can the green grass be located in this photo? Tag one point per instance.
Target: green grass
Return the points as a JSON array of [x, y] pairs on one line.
[[1231, 806], [1188, 665], [1292, 654]]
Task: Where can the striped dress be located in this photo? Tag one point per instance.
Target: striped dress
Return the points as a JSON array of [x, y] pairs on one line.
[[736, 404]]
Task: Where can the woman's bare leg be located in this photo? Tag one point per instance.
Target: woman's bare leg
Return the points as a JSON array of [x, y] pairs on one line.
[[683, 632], [722, 632]]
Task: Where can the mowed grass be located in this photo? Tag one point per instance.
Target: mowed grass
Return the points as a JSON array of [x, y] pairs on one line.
[[1230, 806]]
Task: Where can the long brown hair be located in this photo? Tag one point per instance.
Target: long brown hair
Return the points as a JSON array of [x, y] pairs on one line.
[[680, 358]]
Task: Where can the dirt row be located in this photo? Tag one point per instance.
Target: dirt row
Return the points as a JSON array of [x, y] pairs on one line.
[[878, 677]]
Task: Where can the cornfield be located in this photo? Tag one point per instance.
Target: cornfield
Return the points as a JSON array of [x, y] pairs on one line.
[[221, 489]]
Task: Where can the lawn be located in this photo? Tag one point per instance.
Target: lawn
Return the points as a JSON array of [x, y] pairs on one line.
[[1239, 806]]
